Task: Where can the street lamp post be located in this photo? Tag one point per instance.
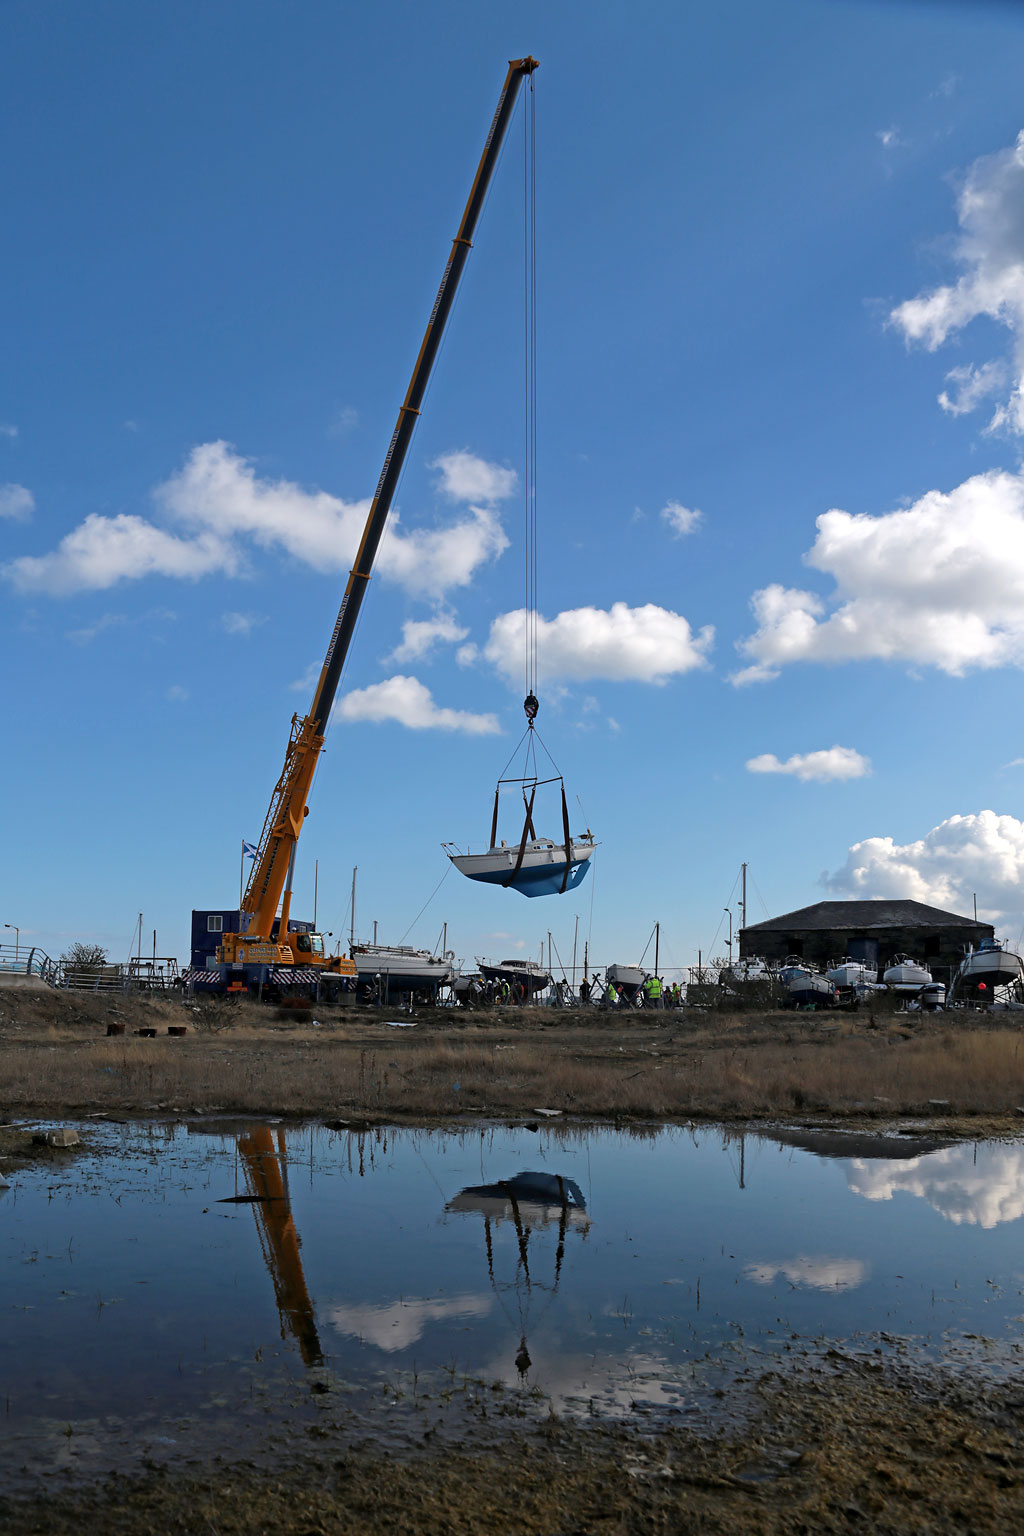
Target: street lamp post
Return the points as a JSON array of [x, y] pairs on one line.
[[729, 911], [17, 938]]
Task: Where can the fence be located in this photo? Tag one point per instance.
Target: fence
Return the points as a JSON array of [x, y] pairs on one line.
[[27, 960]]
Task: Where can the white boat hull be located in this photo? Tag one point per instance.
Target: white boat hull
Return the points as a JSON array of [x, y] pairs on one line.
[[991, 967], [852, 974], [542, 871], [626, 975], [400, 967], [906, 977]]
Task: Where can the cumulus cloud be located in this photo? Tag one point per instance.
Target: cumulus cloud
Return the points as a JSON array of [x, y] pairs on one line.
[[939, 583], [410, 703], [103, 551], [979, 852], [980, 1185], [824, 766], [223, 508], [682, 520], [823, 1274], [89, 632], [241, 623], [16, 502], [621, 644], [971, 385], [419, 636], [990, 252], [465, 477]]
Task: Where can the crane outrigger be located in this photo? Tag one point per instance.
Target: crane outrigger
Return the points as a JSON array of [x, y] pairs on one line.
[[251, 953]]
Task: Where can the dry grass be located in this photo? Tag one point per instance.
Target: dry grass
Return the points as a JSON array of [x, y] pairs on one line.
[[251, 1059]]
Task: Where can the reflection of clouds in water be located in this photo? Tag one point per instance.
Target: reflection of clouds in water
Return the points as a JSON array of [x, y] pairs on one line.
[[613, 1382], [823, 1273], [401, 1323], [980, 1186]]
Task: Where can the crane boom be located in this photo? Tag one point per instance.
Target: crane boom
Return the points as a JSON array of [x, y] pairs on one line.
[[288, 804]]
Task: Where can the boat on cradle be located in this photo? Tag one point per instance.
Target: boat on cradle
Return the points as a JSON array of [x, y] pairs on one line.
[[852, 973], [629, 977], [541, 871], [753, 969], [532, 976], [932, 997], [401, 968], [805, 987], [905, 975], [990, 965]]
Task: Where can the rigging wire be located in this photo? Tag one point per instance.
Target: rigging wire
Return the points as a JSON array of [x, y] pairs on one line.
[[426, 904]]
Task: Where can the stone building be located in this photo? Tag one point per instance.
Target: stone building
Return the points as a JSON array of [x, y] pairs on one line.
[[873, 932]]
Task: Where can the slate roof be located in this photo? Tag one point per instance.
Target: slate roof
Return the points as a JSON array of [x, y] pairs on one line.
[[827, 915]]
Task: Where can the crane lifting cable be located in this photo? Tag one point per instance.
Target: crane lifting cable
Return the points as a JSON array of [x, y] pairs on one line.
[[534, 866]]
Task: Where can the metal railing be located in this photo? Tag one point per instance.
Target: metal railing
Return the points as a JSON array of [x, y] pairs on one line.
[[27, 960]]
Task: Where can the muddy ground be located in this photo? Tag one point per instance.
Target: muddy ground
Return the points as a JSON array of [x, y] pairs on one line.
[[845, 1446], [840, 1445]]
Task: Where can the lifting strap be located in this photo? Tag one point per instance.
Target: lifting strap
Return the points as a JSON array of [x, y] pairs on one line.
[[527, 832], [568, 841]]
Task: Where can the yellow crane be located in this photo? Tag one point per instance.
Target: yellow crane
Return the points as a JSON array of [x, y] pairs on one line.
[[248, 955]]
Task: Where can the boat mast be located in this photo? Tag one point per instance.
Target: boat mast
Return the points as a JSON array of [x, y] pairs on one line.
[[743, 898], [352, 924], [657, 941]]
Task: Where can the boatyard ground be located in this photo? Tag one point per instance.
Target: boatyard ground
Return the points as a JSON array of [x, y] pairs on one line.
[[963, 1069], [828, 1440]]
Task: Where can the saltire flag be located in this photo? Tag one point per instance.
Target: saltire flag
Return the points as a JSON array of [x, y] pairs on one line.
[[249, 850]]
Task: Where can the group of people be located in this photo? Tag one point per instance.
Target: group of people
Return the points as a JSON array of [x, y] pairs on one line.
[[655, 993]]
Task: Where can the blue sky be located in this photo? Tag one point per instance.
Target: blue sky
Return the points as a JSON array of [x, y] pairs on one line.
[[780, 253]]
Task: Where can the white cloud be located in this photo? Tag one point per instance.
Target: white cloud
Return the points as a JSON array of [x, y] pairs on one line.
[[408, 701], [682, 520], [889, 137], [979, 852], [105, 550], [623, 644], [241, 623], [467, 654], [990, 252], [8, 429], [464, 477], [344, 421], [972, 385], [16, 502], [98, 627], [419, 636], [940, 583], [176, 693], [223, 505], [823, 1274], [823, 766]]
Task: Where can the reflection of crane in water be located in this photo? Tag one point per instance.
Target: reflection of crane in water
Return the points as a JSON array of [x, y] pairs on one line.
[[531, 1201], [266, 1178]]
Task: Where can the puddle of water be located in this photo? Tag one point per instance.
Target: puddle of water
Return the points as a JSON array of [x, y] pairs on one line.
[[177, 1291]]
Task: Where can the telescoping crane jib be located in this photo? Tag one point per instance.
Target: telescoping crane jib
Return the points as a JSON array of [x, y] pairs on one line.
[[270, 877]]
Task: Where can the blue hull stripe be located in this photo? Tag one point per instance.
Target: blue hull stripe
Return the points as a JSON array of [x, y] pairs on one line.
[[545, 881]]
